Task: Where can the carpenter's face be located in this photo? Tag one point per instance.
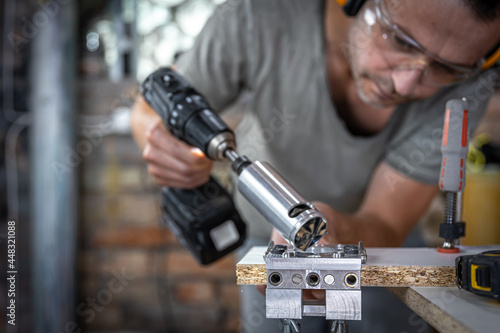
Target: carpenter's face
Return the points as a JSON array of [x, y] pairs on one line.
[[403, 50]]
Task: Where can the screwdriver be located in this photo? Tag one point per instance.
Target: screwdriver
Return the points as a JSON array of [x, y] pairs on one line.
[[454, 148]]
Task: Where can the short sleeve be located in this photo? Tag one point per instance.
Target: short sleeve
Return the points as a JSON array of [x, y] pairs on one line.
[[217, 64], [415, 148]]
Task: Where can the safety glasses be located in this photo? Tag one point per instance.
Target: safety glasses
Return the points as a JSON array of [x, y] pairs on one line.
[[403, 52]]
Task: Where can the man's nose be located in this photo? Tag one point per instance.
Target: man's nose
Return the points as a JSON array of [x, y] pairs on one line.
[[407, 76], [406, 80]]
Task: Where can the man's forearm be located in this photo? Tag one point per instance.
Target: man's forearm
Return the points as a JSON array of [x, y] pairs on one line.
[[350, 229], [388, 213]]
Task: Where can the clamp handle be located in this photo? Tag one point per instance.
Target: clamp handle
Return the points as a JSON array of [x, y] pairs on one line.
[[455, 147]]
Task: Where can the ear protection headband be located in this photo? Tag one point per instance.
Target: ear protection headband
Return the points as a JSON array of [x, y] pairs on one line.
[[352, 7]]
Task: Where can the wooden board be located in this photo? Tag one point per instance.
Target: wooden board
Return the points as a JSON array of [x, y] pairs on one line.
[[451, 310], [386, 267]]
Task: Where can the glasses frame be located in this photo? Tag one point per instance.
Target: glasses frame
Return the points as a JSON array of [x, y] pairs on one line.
[[383, 18]]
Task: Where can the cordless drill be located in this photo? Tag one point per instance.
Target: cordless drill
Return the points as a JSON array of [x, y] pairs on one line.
[[213, 229]]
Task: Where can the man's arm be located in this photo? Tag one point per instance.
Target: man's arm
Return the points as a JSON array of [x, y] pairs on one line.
[[392, 206]]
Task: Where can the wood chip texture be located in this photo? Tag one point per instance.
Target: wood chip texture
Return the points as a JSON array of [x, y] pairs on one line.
[[386, 267]]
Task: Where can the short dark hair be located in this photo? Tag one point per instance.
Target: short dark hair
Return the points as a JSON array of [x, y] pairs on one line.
[[486, 10]]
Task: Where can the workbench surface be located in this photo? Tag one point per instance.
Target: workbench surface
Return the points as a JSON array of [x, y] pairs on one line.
[[451, 310]]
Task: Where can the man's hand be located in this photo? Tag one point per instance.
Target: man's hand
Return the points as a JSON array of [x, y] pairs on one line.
[[172, 162], [329, 215]]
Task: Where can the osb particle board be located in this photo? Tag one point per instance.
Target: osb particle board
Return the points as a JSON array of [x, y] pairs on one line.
[[451, 310], [386, 267]]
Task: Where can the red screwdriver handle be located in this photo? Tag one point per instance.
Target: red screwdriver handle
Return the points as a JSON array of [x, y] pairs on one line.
[[454, 147]]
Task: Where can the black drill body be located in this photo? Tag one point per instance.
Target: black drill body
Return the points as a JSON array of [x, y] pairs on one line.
[[204, 219], [183, 110]]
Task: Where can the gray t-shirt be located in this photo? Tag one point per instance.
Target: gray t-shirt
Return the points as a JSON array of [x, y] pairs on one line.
[[276, 50]]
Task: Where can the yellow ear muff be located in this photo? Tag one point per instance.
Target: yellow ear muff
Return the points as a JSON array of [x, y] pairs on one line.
[[492, 59], [351, 7]]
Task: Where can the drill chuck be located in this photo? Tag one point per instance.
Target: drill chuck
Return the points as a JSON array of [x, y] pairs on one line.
[[219, 144]]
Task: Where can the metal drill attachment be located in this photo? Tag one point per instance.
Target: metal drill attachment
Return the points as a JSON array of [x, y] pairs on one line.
[[297, 220], [336, 270]]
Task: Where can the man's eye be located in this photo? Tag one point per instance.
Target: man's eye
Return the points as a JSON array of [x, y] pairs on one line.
[[444, 69], [402, 44]]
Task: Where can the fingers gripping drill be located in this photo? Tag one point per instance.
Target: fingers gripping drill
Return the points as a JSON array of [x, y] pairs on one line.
[[189, 117]]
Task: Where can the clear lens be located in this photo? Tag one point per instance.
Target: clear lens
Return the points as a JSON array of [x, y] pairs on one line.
[[401, 51]]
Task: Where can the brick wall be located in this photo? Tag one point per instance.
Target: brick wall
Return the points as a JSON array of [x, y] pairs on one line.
[[133, 274]]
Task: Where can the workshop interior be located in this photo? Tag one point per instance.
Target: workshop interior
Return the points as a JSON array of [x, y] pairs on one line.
[[92, 243]]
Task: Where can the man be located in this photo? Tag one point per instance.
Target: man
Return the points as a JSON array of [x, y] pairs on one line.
[[349, 110]]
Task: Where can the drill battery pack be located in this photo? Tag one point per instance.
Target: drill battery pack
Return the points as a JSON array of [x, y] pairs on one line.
[[204, 220], [480, 273]]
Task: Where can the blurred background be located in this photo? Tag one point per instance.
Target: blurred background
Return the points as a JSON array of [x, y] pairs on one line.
[[91, 255]]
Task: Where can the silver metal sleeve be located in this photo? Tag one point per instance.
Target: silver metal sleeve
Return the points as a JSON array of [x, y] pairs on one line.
[[297, 220]]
